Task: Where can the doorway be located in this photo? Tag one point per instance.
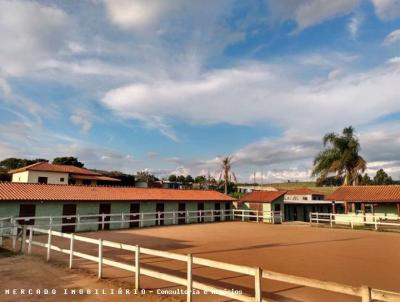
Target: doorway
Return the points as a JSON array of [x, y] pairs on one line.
[[105, 208], [182, 213], [160, 210], [200, 212], [27, 210], [68, 210], [135, 215]]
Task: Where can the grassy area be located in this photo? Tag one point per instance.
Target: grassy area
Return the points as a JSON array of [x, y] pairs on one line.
[[296, 185]]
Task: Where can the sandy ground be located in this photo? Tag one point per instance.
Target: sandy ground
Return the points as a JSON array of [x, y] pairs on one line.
[[19, 273], [351, 257]]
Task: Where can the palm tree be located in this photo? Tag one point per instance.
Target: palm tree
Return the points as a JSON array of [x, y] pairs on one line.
[[226, 172], [341, 157]]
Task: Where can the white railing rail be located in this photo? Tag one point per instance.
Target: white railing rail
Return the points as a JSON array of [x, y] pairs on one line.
[[271, 216], [366, 293], [354, 220]]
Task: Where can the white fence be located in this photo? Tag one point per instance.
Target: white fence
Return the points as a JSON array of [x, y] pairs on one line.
[[258, 216], [365, 293], [123, 220], [355, 220]]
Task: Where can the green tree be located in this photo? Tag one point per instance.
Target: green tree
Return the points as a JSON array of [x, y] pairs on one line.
[[382, 178], [147, 177], [366, 180], [200, 179], [12, 163], [189, 179], [340, 156], [181, 178], [68, 160], [172, 178], [226, 173]]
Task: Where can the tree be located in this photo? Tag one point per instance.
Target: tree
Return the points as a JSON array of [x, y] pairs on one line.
[[181, 178], [341, 156], [68, 160], [200, 179], [12, 163], [382, 178], [226, 172], [189, 179], [366, 180], [147, 177], [172, 178]]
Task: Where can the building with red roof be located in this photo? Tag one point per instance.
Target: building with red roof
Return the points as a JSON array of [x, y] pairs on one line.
[[45, 173]]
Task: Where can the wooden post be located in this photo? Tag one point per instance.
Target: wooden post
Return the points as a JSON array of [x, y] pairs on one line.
[[242, 215], [100, 266], [30, 240], [330, 219], [122, 220], [173, 217], [141, 220], [14, 237], [103, 218], [1, 232], [365, 292], [48, 246], [187, 217], [137, 267], [78, 218], [71, 250], [23, 242], [398, 210], [189, 286], [333, 207], [257, 285], [273, 217], [376, 222], [212, 215]]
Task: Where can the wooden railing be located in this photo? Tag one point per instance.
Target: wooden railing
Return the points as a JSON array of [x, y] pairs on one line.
[[258, 216], [365, 293], [353, 220]]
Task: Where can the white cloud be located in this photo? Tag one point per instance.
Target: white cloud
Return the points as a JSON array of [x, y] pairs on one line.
[[393, 37], [30, 32], [387, 9], [307, 13], [252, 94], [83, 119], [139, 13], [354, 26]]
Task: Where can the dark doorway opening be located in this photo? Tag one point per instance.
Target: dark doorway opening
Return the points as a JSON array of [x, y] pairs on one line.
[[104, 208], [182, 213], [160, 214], [200, 210], [135, 215], [227, 213], [42, 180], [217, 212], [68, 210], [27, 210]]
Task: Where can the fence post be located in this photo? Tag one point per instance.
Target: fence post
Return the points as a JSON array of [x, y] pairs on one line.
[[48, 246], [173, 217], [100, 266], [330, 219], [257, 285], [257, 215], [79, 222], [189, 278], [71, 250], [14, 237], [273, 217], [141, 218], [51, 222], [365, 292], [187, 216], [103, 218], [212, 215], [30, 240], [23, 241], [376, 223], [317, 218], [137, 268], [242, 215], [122, 220], [351, 222], [1, 232], [310, 218]]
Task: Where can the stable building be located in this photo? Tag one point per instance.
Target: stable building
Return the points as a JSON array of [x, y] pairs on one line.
[[299, 203], [264, 202], [45, 173], [154, 206], [380, 201]]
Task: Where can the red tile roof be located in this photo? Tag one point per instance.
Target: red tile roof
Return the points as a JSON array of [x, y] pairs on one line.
[[366, 193], [44, 166], [303, 191], [262, 196], [93, 177], [38, 192]]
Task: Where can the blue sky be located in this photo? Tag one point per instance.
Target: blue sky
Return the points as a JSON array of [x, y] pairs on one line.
[[170, 86]]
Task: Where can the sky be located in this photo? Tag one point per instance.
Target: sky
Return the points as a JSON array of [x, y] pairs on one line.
[[171, 86]]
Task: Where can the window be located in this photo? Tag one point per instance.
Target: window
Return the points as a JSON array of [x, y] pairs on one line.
[[305, 198], [86, 182], [62, 179], [42, 180]]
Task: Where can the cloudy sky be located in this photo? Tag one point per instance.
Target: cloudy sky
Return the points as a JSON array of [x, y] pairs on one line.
[[171, 85]]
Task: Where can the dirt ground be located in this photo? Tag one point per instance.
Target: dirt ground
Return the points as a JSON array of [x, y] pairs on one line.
[[19, 273], [352, 257]]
